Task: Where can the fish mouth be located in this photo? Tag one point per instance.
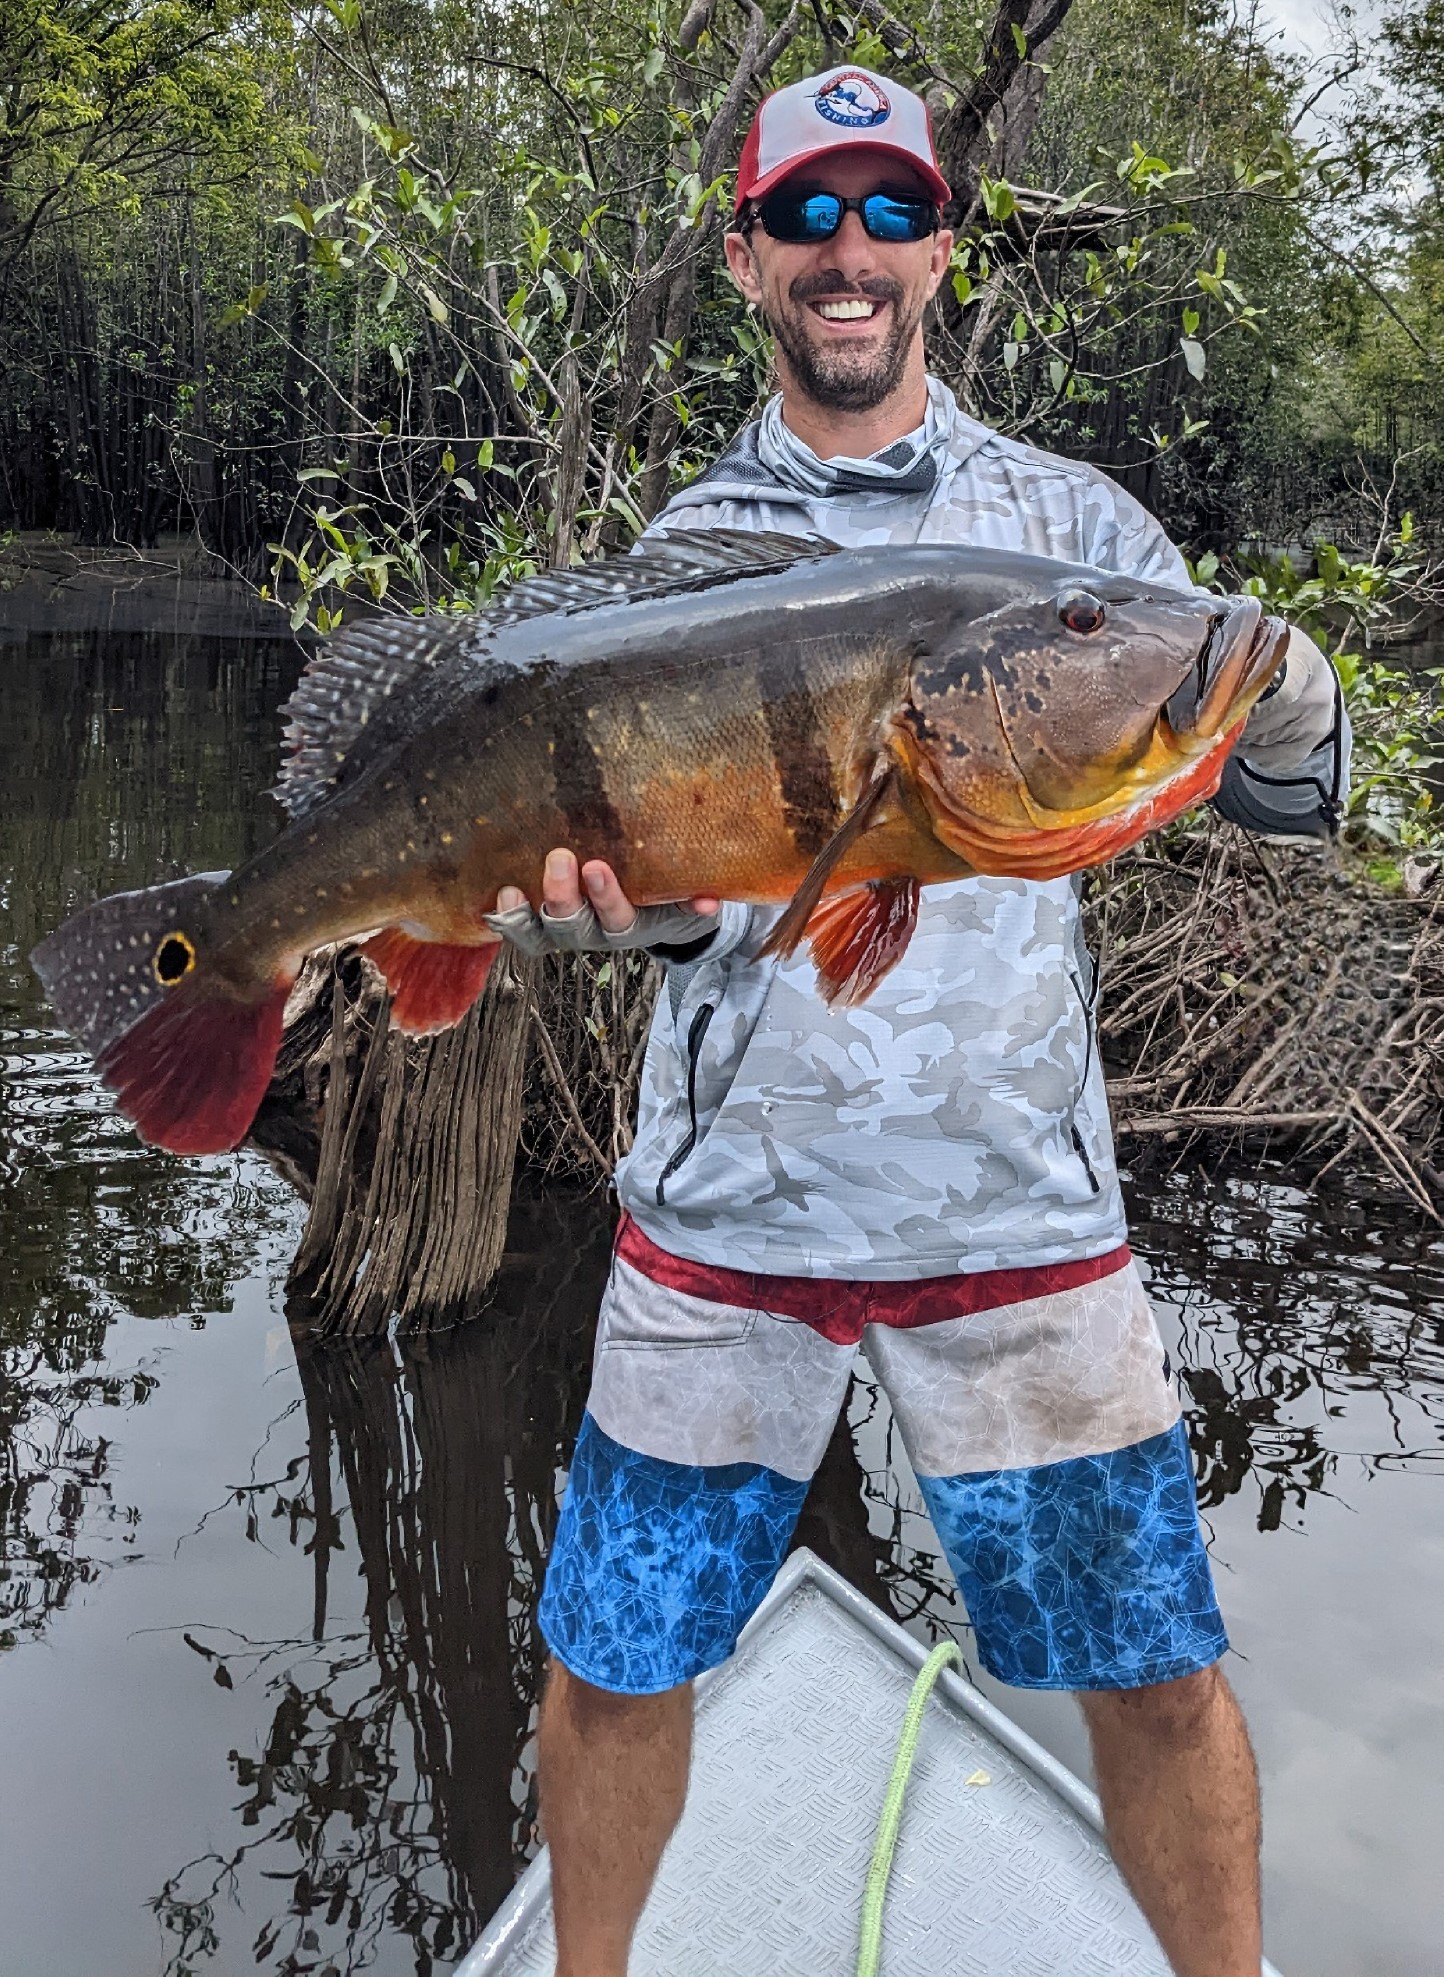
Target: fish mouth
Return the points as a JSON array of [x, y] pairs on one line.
[[1238, 658]]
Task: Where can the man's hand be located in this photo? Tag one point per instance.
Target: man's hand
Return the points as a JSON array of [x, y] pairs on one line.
[[1296, 714], [586, 910]]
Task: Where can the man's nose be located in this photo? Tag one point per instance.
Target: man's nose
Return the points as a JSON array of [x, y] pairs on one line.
[[853, 253]]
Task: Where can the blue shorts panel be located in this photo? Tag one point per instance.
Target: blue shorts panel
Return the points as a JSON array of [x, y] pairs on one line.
[[658, 1566], [1084, 1574]]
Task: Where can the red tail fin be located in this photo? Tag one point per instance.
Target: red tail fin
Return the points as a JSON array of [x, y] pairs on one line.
[[432, 984], [192, 1072]]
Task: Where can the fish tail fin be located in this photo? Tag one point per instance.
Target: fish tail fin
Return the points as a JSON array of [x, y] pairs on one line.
[[432, 983], [187, 1050]]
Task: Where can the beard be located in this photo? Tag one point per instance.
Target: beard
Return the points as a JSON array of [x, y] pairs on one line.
[[844, 376]]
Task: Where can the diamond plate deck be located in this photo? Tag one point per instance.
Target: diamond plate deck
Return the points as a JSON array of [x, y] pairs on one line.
[[795, 1741]]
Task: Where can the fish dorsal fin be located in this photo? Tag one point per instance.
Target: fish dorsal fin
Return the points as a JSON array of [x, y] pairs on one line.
[[659, 566], [349, 679], [358, 671]]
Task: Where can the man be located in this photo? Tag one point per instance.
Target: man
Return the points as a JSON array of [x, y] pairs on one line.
[[931, 1175]]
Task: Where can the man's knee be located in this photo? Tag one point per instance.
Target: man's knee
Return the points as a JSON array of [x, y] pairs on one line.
[[1182, 1712], [590, 1711]]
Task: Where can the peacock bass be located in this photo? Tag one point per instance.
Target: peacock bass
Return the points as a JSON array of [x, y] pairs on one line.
[[759, 717]]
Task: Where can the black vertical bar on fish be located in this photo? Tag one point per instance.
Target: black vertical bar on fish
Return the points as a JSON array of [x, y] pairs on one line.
[[593, 826], [804, 768]]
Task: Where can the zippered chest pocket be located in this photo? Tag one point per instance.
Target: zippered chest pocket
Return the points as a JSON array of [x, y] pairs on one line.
[[1074, 1133], [696, 1036]]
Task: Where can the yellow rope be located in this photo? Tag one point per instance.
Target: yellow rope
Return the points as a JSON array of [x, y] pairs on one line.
[[870, 1942]]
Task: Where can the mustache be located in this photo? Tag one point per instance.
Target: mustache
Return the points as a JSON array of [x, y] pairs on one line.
[[877, 288]]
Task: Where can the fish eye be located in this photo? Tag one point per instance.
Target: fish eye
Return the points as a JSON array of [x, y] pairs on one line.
[[174, 959], [1081, 612]]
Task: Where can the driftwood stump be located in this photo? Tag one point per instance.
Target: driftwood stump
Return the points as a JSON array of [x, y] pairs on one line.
[[403, 1147]]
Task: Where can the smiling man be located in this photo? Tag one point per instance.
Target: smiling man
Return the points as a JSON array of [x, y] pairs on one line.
[[929, 1178]]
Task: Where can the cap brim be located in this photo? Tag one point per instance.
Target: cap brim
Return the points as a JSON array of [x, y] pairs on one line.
[[932, 179]]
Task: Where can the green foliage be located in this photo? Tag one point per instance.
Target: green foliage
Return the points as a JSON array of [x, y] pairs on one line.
[[108, 101]]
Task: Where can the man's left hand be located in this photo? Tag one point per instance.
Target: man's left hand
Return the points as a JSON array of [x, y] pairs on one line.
[[1297, 715], [584, 910]]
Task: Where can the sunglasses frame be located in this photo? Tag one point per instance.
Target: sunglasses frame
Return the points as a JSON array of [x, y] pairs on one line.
[[845, 206]]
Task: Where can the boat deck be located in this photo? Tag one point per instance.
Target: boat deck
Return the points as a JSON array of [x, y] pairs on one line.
[[1000, 1870]]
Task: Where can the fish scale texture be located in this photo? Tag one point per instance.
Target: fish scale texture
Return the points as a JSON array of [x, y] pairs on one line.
[[795, 1741]]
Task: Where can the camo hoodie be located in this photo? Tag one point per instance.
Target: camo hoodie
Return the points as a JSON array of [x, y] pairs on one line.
[[957, 1121]]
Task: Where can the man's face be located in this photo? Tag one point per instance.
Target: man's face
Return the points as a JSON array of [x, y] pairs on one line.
[[846, 313]]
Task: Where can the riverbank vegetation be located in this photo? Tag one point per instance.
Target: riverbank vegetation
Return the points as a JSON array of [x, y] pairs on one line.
[[437, 291]]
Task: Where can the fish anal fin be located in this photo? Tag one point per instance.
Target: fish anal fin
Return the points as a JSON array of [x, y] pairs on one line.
[[432, 983], [855, 937], [787, 934]]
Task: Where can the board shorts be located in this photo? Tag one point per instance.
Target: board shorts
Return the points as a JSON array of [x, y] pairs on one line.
[[1037, 1407]]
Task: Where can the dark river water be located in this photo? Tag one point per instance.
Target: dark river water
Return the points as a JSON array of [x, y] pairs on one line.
[[268, 1665]]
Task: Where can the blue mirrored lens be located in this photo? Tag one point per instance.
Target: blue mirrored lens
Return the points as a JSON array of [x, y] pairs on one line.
[[818, 216], [887, 218]]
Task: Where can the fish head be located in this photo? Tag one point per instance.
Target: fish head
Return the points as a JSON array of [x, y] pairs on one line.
[[1077, 710]]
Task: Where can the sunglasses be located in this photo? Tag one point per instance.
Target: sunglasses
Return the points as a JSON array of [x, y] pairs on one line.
[[802, 217]]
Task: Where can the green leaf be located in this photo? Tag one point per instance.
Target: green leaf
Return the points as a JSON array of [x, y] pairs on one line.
[[998, 197], [1190, 322], [1194, 355], [653, 66], [238, 311], [387, 295], [439, 311], [1020, 41], [448, 462]]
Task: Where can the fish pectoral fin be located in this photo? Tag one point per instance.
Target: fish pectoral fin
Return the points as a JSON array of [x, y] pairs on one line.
[[433, 983], [787, 934], [857, 936]]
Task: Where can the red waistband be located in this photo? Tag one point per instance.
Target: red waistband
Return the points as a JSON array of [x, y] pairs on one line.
[[839, 1308]]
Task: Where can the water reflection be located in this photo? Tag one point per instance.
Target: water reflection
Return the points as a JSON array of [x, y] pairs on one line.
[[431, 1468], [1310, 1334], [338, 1623], [125, 759]]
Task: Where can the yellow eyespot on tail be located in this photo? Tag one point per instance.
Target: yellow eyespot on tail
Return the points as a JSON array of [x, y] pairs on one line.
[[173, 960]]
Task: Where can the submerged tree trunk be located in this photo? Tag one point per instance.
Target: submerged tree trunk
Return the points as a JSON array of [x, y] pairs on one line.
[[404, 1147]]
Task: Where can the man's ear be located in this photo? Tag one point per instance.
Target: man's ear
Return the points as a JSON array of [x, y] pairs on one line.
[[942, 254], [742, 266]]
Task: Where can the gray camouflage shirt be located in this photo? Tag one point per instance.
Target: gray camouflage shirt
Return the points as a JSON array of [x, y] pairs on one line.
[[957, 1121]]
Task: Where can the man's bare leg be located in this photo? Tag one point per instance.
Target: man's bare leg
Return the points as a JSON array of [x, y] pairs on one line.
[[1180, 1798], [613, 1776]]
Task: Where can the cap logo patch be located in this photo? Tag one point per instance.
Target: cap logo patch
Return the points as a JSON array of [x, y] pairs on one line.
[[853, 100]]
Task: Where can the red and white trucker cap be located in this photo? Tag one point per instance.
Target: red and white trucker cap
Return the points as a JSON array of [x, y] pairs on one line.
[[841, 109]]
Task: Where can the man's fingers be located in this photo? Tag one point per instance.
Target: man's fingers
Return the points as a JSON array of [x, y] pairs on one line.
[[509, 898], [566, 887], [610, 904], [561, 887]]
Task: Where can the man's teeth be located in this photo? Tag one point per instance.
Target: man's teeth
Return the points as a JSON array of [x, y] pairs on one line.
[[847, 309]]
